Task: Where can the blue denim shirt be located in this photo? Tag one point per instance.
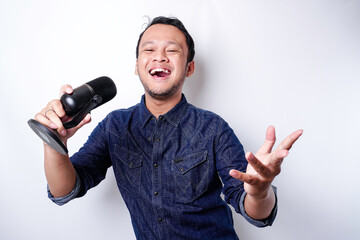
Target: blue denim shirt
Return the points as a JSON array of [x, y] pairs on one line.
[[170, 171]]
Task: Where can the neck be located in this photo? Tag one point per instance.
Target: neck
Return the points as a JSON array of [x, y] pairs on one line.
[[159, 107]]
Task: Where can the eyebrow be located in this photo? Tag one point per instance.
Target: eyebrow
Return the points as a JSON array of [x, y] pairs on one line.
[[167, 43]]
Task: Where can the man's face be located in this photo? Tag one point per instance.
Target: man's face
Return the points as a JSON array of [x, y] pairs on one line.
[[162, 61]]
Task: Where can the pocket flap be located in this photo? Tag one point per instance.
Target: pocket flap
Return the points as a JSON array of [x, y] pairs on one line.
[[183, 164], [129, 158]]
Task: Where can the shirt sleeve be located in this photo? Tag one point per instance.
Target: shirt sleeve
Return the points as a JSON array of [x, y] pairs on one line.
[[259, 223], [90, 162], [65, 199], [93, 159], [230, 155]]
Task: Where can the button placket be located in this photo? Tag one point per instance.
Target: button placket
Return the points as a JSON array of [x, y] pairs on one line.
[[157, 177], [156, 159]]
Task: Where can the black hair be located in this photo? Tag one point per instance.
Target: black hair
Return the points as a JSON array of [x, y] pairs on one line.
[[179, 25]]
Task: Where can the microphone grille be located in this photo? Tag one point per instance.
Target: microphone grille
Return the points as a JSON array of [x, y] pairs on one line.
[[104, 87]]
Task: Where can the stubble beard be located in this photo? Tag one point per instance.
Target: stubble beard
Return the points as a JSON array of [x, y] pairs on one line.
[[163, 94]]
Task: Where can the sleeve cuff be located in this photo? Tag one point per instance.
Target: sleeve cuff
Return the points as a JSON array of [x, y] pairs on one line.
[[259, 223], [65, 199]]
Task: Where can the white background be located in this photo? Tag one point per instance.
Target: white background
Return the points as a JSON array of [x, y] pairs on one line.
[[293, 64]]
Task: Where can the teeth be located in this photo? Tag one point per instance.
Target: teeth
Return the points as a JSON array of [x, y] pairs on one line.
[[155, 70]]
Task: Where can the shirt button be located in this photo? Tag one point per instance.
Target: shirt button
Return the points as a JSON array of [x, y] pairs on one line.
[[161, 117], [158, 139], [160, 220], [149, 138], [156, 193], [156, 165]]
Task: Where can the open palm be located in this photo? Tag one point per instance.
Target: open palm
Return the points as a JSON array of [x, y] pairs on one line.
[[265, 164]]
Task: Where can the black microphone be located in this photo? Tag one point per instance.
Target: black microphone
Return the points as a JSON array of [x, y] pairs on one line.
[[76, 105]]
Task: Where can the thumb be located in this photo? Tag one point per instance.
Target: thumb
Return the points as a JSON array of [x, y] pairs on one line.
[[68, 133], [86, 120], [73, 130]]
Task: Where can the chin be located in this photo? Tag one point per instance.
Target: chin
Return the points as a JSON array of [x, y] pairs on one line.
[[160, 95]]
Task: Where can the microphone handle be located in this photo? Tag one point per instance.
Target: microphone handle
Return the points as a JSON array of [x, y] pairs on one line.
[[93, 103]]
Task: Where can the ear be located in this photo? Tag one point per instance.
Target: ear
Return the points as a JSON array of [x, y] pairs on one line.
[[136, 68], [190, 68]]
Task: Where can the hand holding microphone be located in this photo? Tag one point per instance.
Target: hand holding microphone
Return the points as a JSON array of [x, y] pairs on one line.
[[70, 112], [53, 116]]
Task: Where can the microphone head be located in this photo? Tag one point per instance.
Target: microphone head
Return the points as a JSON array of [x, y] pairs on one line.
[[75, 102], [104, 87]]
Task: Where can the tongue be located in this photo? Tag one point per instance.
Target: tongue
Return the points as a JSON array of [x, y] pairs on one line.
[[161, 74]]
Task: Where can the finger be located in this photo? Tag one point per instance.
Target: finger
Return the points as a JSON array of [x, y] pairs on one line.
[[54, 118], [54, 112], [276, 159], [55, 106], [290, 140], [45, 121], [247, 178], [258, 166], [66, 89], [269, 141]]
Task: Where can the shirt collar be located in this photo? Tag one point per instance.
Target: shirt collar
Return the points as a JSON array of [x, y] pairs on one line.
[[173, 116]]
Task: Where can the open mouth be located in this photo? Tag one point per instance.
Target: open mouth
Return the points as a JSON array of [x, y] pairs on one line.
[[160, 72]]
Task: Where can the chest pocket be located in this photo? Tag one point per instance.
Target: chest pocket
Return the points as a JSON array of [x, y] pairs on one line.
[[127, 168], [191, 176]]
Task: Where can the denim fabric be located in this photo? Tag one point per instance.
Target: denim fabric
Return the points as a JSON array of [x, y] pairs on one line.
[[170, 171], [65, 199]]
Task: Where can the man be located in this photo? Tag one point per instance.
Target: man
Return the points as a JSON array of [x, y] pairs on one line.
[[171, 160]]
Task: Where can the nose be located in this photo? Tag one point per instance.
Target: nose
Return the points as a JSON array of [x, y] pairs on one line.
[[160, 56]]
